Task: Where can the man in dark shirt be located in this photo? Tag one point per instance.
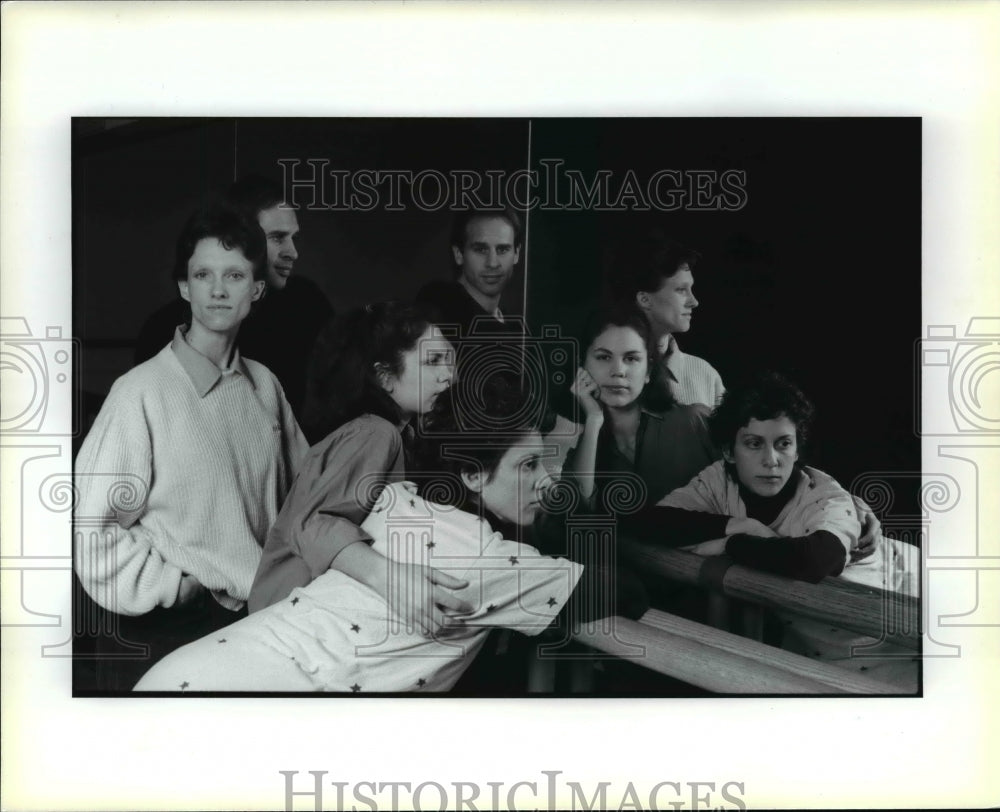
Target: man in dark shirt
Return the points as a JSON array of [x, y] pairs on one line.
[[281, 330], [485, 247]]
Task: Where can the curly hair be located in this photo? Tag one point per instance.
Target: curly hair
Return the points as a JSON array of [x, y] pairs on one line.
[[764, 396], [473, 424], [343, 375], [656, 394]]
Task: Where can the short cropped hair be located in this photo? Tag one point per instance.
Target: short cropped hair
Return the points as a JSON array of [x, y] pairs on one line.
[[231, 227], [646, 263], [462, 220], [471, 410], [764, 396]]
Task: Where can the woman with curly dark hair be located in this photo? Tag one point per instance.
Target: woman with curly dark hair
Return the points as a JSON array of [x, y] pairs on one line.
[[374, 373], [764, 509]]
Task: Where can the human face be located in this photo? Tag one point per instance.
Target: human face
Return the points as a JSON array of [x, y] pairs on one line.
[[220, 287], [280, 226], [764, 453], [618, 363], [514, 492], [669, 308], [488, 257], [427, 371]]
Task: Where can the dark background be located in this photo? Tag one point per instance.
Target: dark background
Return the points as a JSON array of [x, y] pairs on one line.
[[817, 276]]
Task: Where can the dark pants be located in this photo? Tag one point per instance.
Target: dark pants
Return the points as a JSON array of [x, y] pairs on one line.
[[111, 652]]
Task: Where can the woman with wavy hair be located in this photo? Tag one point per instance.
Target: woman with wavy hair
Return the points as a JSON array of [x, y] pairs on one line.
[[374, 373]]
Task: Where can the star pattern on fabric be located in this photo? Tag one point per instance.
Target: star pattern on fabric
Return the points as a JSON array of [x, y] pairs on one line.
[[491, 607], [552, 601], [421, 682], [355, 628], [184, 685], [431, 545], [222, 640], [355, 688], [513, 560], [413, 503], [294, 601]]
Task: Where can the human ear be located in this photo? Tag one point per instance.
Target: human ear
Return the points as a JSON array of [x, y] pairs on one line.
[[517, 254], [258, 290], [642, 299], [473, 480], [182, 286], [385, 378], [456, 252], [727, 455]]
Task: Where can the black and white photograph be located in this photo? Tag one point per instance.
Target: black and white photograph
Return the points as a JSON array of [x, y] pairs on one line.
[[435, 306], [499, 406]]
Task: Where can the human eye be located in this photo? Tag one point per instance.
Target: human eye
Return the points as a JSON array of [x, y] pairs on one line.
[[530, 464], [503, 249], [199, 274], [237, 275], [752, 442], [785, 443], [601, 356]]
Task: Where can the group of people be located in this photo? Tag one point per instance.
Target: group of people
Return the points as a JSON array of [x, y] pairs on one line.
[[357, 503]]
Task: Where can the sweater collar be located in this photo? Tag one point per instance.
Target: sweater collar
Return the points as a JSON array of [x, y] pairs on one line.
[[202, 372], [672, 358]]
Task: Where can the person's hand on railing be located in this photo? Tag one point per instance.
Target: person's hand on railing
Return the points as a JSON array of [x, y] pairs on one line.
[[749, 527], [713, 547], [871, 532]]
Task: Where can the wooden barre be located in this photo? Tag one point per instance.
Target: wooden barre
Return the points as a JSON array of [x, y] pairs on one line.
[[886, 616], [719, 661]]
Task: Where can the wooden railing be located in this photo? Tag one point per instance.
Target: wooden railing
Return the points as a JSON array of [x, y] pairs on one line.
[[885, 616], [719, 661]]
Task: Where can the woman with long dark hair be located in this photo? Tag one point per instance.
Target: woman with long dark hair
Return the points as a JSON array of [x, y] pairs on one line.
[[632, 425]]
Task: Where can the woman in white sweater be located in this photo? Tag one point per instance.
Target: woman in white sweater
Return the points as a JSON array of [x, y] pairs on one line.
[[189, 460]]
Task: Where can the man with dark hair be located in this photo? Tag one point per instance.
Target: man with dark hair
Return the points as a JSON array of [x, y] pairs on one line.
[[657, 275], [485, 247], [281, 330]]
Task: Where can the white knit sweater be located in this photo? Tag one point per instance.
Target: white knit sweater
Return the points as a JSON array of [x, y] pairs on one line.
[[183, 472], [691, 379]]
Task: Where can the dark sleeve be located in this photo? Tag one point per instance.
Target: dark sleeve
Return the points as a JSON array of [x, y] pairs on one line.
[[315, 530], [158, 330], [806, 558], [675, 527], [604, 591]]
